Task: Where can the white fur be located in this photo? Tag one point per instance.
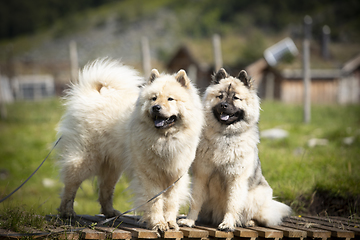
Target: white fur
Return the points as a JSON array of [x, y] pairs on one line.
[[226, 160], [93, 130], [107, 128]]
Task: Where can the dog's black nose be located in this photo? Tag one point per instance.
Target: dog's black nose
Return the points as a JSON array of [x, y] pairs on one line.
[[156, 108], [224, 105]]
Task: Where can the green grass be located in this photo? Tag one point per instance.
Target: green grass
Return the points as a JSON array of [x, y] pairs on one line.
[[293, 169], [16, 219]]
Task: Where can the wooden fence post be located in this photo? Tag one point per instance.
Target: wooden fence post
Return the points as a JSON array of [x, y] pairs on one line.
[[325, 42], [145, 53], [306, 69], [217, 52], [74, 63], [270, 86], [3, 111]]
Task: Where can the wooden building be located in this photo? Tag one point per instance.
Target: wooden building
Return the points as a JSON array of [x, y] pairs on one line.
[[33, 87], [324, 86], [349, 87], [328, 86], [200, 73]]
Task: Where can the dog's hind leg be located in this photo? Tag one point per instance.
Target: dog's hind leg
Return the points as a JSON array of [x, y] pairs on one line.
[[66, 208], [72, 177], [107, 179]]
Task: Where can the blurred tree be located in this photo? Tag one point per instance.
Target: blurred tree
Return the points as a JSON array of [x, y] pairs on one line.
[[200, 18], [22, 16]]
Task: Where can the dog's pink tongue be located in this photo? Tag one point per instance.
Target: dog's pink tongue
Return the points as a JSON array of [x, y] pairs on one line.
[[159, 122], [224, 117]]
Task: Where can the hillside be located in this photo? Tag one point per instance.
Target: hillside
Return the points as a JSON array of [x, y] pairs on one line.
[[247, 28]]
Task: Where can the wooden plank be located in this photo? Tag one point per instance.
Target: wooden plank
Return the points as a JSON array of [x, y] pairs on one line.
[[245, 233], [290, 232], [77, 221], [267, 232], [139, 232], [88, 233], [114, 233], [310, 231], [135, 221], [194, 232], [214, 232], [130, 227], [68, 235], [335, 231], [342, 223], [172, 234], [136, 232], [30, 233], [65, 233], [355, 220]]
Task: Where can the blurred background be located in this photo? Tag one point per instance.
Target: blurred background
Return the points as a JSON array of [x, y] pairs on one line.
[[310, 157]]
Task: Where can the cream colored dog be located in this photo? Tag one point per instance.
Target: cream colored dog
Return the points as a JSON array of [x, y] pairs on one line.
[[94, 130], [111, 124], [164, 132], [229, 188]]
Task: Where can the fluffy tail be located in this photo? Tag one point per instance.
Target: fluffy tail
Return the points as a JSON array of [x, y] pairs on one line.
[[105, 93], [272, 213], [107, 73]]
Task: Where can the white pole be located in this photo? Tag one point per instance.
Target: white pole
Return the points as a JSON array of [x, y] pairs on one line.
[[74, 63], [3, 112], [270, 86], [217, 52], [306, 69], [145, 52], [325, 42]]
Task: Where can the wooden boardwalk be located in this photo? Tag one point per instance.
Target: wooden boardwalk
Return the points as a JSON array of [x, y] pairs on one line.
[[128, 227]]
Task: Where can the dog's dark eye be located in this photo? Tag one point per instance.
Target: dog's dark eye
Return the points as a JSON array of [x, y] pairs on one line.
[[154, 98], [236, 98], [220, 96], [170, 99]]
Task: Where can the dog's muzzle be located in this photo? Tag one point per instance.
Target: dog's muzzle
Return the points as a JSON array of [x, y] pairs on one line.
[[160, 121], [227, 113]]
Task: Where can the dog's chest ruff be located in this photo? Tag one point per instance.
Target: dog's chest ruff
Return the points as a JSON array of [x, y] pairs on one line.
[[228, 154], [165, 147]]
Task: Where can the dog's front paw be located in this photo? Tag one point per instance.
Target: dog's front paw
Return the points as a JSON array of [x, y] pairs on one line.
[[186, 222], [66, 213], [173, 225], [228, 225], [161, 226], [250, 223]]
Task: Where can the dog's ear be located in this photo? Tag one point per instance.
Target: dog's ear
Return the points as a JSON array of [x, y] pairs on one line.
[[182, 78], [153, 75], [245, 79], [221, 74]]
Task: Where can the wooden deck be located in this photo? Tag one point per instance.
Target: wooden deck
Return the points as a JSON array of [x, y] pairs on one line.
[[128, 227]]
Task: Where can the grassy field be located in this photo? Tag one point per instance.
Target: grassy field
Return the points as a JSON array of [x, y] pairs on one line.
[[293, 169]]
